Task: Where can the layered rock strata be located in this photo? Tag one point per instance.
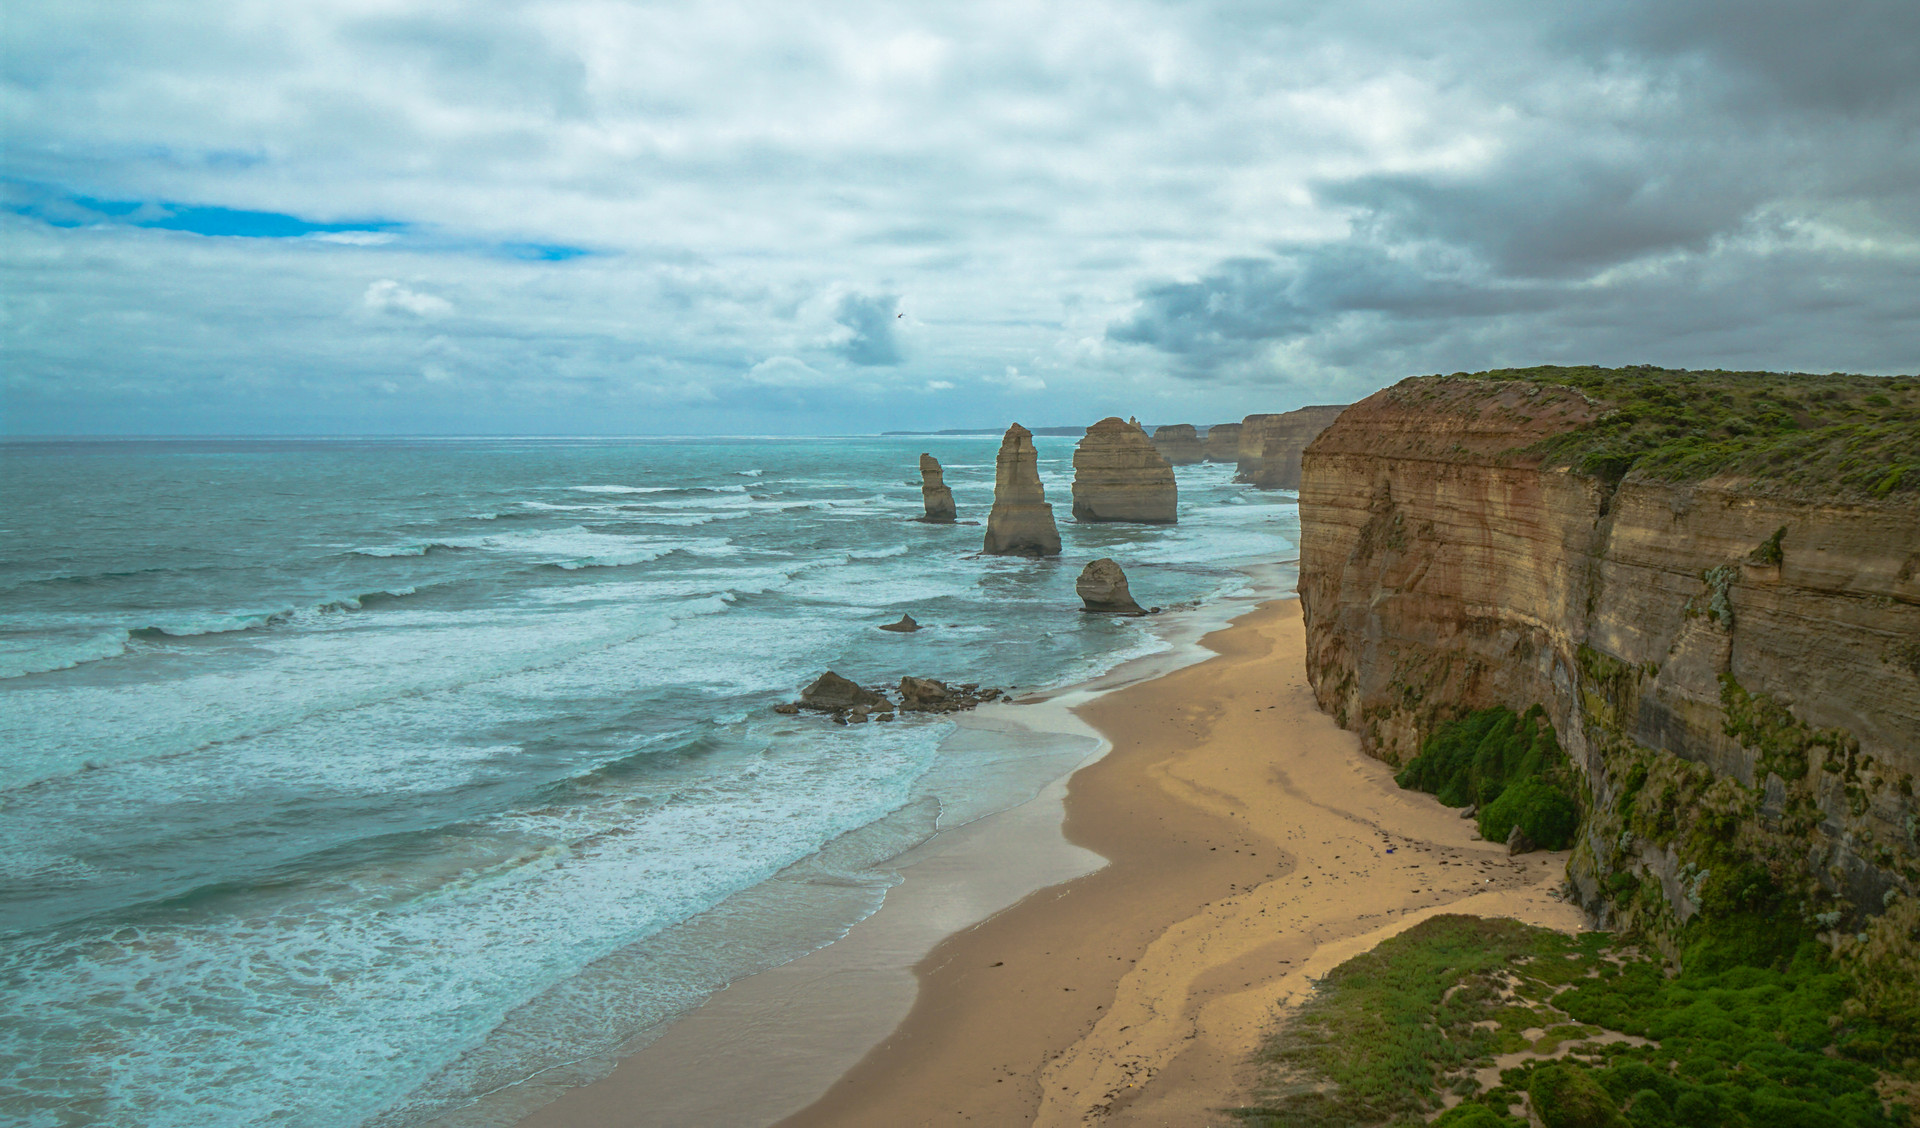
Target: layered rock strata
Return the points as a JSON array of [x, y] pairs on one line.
[[1725, 664], [1119, 476], [1021, 521], [1223, 442], [1102, 586], [1270, 445], [1179, 444], [934, 494]]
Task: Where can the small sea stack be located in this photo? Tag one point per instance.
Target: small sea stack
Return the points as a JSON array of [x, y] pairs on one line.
[[1118, 476], [934, 493], [906, 625], [1179, 444], [1103, 588], [1021, 521], [1270, 445], [1223, 442]]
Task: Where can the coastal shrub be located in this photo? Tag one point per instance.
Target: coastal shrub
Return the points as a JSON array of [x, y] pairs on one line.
[[1508, 765], [1568, 1098], [1791, 431]]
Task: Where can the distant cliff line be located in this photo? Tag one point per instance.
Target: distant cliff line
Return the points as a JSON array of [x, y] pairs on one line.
[[1709, 580]]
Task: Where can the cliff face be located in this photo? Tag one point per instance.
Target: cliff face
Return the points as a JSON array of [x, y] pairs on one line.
[[935, 495], [1179, 444], [1270, 445], [1223, 442], [1710, 674], [1118, 476], [1021, 521]]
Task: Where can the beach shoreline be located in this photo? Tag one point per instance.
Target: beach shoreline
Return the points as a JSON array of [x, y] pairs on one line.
[[1228, 846]]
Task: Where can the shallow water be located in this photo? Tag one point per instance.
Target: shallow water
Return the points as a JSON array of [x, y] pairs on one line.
[[344, 780]]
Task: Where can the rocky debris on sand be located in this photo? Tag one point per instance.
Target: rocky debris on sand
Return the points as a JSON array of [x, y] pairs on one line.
[[928, 695], [1179, 444], [1223, 442], [1103, 587], [831, 693], [1118, 476], [905, 624], [1021, 522], [1519, 843], [934, 493]]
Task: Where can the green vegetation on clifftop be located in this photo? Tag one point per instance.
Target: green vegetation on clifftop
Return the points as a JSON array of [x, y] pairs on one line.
[[1852, 435]]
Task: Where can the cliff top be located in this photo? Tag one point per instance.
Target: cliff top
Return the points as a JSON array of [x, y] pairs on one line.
[[1788, 432]]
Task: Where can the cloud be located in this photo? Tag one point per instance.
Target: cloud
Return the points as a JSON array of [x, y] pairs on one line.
[[1015, 381], [786, 372], [867, 335], [388, 296], [939, 385]]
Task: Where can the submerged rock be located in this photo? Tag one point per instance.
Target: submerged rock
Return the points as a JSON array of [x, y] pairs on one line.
[[831, 693], [934, 494], [1103, 587], [1118, 476], [1179, 444], [906, 623], [1021, 522]]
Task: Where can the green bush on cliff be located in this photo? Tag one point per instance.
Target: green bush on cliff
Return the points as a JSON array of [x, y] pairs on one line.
[[1508, 765], [1854, 435]]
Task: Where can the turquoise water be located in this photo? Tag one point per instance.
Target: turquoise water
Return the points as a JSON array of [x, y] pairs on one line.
[[342, 781]]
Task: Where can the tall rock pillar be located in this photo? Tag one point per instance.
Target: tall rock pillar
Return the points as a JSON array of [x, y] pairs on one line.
[[1118, 476], [1021, 523], [934, 493]]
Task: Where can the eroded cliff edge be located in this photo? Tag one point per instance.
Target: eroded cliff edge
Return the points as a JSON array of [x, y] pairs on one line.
[[1727, 641]]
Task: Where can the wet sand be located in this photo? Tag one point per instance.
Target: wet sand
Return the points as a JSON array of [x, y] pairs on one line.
[[1249, 847]]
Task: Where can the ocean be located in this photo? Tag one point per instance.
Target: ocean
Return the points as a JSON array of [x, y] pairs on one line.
[[347, 781]]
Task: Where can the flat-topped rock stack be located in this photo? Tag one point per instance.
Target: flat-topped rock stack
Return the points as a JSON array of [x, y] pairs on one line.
[[1179, 444], [1118, 476], [934, 493], [1270, 445], [1021, 522], [1223, 442]]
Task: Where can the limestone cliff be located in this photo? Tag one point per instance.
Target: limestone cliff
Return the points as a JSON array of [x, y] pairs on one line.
[[934, 493], [1118, 476], [1270, 445], [1021, 521], [1179, 444], [1732, 658], [1223, 442]]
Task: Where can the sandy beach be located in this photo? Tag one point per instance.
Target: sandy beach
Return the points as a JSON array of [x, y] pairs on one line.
[[1249, 847]]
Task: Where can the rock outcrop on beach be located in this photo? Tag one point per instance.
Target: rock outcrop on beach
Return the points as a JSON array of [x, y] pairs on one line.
[[1021, 521], [1270, 445], [934, 494], [1179, 444], [1729, 652], [831, 693], [1102, 586], [1223, 442], [1119, 476]]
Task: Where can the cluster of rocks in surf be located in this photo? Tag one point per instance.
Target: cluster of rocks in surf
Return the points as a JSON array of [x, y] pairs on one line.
[[849, 703]]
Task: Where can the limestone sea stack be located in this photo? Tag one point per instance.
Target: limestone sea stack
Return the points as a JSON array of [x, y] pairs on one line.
[[934, 493], [1103, 587], [1021, 521], [1223, 442], [1275, 443], [1179, 444], [1118, 476]]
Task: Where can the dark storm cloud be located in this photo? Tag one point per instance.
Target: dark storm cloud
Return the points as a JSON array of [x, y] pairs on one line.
[[874, 341]]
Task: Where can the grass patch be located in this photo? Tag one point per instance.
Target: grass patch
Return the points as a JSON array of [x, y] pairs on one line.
[[1851, 435], [1728, 1045], [1509, 766]]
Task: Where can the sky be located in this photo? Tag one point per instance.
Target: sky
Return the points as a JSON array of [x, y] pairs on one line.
[[720, 217]]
